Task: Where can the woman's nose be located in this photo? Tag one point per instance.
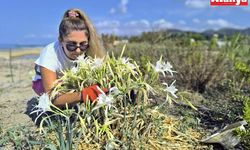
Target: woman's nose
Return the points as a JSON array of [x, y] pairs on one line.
[[78, 50]]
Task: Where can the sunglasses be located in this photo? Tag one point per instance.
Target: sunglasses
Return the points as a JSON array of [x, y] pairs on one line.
[[72, 46]]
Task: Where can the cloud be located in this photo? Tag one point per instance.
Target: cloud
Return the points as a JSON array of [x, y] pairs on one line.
[[141, 23], [35, 36], [162, 24], [108, 24], [112, 11], [221, 23], [182, 22], [121, 8], [111, 26], [127, 28], [136, 27], [195, 20], [197, 3], [131, 27]]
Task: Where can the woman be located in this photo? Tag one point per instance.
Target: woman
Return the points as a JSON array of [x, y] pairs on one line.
[[77, 36]]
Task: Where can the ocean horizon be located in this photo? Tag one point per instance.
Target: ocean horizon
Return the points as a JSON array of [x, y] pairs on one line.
[[7, 47]]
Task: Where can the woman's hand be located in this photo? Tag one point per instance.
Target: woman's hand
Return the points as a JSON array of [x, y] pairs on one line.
[[92, 92]]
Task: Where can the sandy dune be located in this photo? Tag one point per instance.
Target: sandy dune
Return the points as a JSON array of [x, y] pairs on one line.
[[19, 52], [16, 92]]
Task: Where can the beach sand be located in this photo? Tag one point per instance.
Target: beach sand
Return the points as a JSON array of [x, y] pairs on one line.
[[16, 93], [17, 53]]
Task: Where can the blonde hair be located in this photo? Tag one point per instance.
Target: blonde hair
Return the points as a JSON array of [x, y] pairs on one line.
[[76, 20]]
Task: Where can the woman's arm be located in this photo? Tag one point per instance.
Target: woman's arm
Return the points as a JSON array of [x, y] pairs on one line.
[[48, 79]]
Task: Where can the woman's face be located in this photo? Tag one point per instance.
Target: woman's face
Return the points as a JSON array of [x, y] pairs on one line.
[[75, 44]]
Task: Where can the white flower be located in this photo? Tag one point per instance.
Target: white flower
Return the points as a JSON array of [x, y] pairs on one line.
[[242, 123], [88, 119], [159, 67], [171, 89], [97, 62], [74, 70], [130, 65], [104, 99], [125, 61], [114, 91], [81, 58], [43, 105], [163, 67], [168, 68], [242, 128]]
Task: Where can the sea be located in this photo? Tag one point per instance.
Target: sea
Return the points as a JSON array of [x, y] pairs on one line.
[[20, 47], [7, 47]]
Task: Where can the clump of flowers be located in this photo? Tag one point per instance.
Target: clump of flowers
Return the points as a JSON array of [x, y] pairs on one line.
[[116, 120]]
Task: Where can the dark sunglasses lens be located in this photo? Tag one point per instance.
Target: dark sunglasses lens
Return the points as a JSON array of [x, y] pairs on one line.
[[84, 47], [71, 47]]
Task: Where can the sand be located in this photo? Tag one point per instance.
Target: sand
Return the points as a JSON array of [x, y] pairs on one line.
[[16, 93], [16, 53]]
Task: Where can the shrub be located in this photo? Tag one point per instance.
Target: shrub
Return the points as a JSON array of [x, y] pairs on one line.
[[198, 68]]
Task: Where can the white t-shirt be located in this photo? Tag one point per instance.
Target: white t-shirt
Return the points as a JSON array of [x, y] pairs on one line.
[[53, 58]]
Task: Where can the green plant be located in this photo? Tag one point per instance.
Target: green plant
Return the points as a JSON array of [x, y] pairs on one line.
[[243, 71], [245, 134], [198, 68], [246, 109], [21, 137], [113, 121]]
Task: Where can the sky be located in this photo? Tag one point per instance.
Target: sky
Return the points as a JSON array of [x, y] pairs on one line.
[[37, 21]]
